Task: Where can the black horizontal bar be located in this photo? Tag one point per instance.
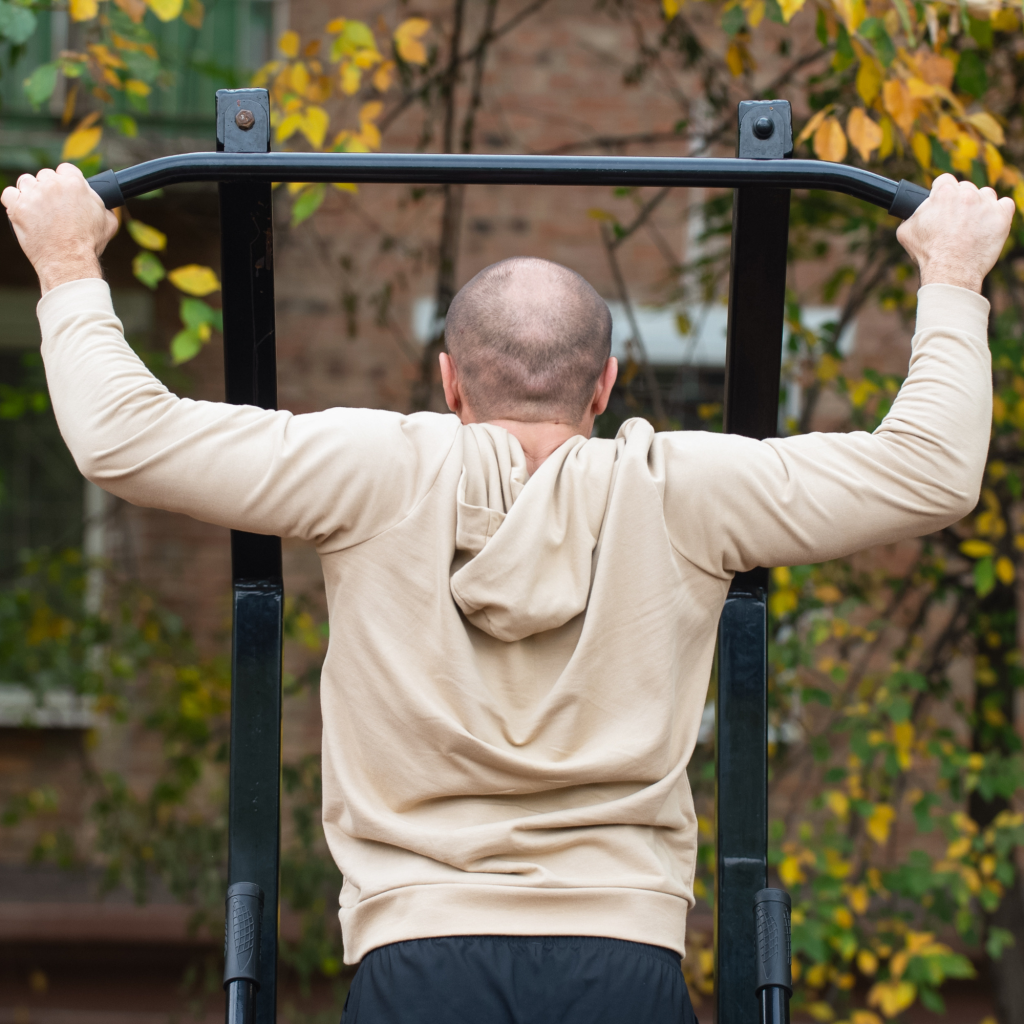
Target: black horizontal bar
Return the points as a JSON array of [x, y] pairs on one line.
[[472, 169]]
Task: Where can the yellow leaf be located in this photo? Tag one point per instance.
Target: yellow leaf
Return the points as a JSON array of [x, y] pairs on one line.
[[1004, 19], [193, 279], [314, 125], [898, 964], [295, 187], [891, 997], [977, 548], [370, 111], [948, 129], [919, 89], [898, 103], [288, 44], [867, 963], [366, 58], [289, 125], [147, 237], [817, 975], [136, 87], [1018, 195], [81, 142], [781, 576], [383, 76], [869, 79], [135, 9], [407, 40], [734, 59], [1004, 571], [964, 152], [790, 872], [299, 78], [165, 10], [335, 26], [993, 164], [858, 899], [351, 77], [989, 127], [864, 133], [922, 149], [821, 1011], [842, 917], [371, 135], [346, 186], [812, 125], [853, 12], [838, 803], [106, 56], [888, 138], [829, 141], [670, 8], [789, 8], [879, 822], [83, 10], [755, 15]]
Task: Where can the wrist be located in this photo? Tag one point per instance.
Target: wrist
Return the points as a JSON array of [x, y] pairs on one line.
[[944, 273], [52, 274]]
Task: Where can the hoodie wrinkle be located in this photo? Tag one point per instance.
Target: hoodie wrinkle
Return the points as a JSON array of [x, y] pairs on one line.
[[525, 545]]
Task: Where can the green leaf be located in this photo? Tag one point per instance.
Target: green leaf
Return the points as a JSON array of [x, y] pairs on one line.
[[873, 29], [984, 576], [940, 158], [307, 203], [195, 313], [140, 66], [40, 84], [980, 30], [733, 20], [123, 123], [148, 269], [971, 76], [821, 28], [185, 345], [844, 50], [773, 12], [16, 23], [931, 999], [997, 940]]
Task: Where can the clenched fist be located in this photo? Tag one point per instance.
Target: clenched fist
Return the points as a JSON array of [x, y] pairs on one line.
[[61, 224], [957, 233]]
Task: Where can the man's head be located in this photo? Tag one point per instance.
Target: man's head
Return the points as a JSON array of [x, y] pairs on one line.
[[530, 341]]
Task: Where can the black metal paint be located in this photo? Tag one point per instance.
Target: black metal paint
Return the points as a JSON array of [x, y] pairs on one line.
[[250, 378], [757, 288]]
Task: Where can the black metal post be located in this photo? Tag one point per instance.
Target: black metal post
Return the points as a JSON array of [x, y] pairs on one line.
[[757, 291], [250, 373]]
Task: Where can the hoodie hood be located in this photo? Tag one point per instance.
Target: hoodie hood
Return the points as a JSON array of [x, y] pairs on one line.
[[525, 545]]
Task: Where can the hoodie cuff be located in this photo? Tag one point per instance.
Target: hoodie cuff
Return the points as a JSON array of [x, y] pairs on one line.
[[950, 308], [89, 295]]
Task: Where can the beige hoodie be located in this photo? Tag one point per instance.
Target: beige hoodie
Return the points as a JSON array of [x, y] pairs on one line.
[[517, 666]]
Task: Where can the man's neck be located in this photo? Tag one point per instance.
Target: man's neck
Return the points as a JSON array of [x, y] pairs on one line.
[[540, 439]]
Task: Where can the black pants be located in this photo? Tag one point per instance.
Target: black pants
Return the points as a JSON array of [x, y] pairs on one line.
[[497, 979]]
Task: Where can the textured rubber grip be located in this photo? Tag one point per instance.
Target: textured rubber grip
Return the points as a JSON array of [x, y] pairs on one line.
[[244, 911], [907, 199], [105, 184], [771, 917]]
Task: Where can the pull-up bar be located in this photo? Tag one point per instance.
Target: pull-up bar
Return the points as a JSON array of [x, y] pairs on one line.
[[752, 949], [900, 199]]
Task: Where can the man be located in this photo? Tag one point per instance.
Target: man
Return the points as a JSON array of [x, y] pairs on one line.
[[522, 618]]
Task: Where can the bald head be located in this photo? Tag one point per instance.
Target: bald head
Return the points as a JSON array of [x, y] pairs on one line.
[[529, 339]]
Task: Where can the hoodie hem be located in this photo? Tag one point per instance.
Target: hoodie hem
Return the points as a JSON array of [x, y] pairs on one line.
[[434, 911]]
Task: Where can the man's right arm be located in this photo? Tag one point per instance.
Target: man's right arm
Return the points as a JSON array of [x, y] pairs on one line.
[[342, 475]]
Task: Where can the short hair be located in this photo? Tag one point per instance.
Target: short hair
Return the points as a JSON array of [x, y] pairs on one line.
[[529, 339]]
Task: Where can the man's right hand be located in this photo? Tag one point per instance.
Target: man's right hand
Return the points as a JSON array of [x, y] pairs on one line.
[[61, 224], [957, 233]]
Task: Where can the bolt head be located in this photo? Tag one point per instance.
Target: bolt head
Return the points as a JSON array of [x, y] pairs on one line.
[[764, 127], [245, 119]]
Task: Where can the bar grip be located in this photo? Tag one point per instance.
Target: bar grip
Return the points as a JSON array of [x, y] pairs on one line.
[[244, 912], [106, 186], [774, 952], [907, 199]]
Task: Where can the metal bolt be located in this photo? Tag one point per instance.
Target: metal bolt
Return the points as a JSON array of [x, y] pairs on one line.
[[764, 127], [245, 119]]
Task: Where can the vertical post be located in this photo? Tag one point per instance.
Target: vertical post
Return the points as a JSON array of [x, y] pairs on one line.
[[757, 291], [250, 372]]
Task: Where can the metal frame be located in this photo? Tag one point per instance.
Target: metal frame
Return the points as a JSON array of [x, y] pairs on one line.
[[750, 972]]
